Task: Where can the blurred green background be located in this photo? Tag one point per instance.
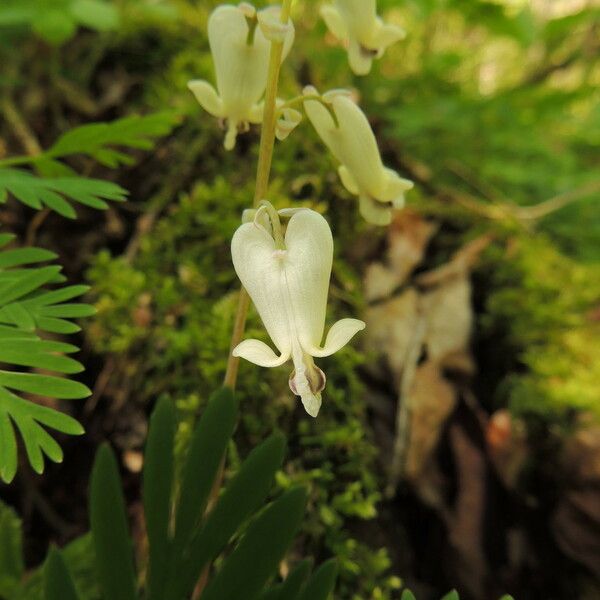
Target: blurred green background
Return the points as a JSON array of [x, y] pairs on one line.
[[493, 109]]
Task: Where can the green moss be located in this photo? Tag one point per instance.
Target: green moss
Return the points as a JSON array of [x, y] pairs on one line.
[[545, 303]]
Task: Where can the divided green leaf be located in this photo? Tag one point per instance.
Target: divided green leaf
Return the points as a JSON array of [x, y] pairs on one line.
[[98, 140], [26, 309], [37, 192]]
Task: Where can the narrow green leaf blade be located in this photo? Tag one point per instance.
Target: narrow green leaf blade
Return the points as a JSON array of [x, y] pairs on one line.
[[114, 556], [156, 492], [245, 493], [11, 545], [27, 282], [8, 449], [207, 448], [290, 588], [24, 256], [58, 584], [264, 544], [34, 383], [321, 584]]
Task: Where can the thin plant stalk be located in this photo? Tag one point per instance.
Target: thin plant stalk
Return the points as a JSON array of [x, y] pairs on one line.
[[263, 173]]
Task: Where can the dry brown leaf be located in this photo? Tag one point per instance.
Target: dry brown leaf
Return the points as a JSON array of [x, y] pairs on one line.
[[431, 400], [449, 318], [391, 327], [465, 522], [576, 523], [408, 237]]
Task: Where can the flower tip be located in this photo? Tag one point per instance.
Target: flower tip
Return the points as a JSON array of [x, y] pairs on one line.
[[312, 404]]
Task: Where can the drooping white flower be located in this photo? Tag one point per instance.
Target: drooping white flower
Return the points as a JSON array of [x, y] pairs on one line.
[[355, 22], [288, 281], [240, 52], [351, 140]]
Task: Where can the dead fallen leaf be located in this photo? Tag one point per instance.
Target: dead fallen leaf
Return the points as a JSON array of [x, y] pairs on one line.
[[408, 237], [465, 521], [391, 328], [449, 318], [431, 400], [576, 522]]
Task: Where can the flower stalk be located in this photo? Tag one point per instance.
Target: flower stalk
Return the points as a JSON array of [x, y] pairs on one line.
[[263, 173]]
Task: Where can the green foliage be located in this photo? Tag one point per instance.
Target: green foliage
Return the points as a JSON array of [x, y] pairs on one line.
[[102, 142], [550, 327], [56, 21], [177, 558], [453, 595], [15, 585], [51, 192], [108, 520], [169, 316], [58, 584], [11, 551], [98, 140], [26, 308]]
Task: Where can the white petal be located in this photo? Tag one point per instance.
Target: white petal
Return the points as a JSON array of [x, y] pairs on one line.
[[360, 60], [360, 16], [255, 115], [395, 188], [288, 121], [312, 404], [375, 212], [335, 22], [273, 12], [241, 70], [348, 181], [207, 97], [357, 147], [231, 134], [260, 268], [271, 26], [259, 353], [288, 213], [388, 35], [339, 335], [309, 246]]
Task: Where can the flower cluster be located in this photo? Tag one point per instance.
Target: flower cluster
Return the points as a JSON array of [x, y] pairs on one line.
[[286, 270]]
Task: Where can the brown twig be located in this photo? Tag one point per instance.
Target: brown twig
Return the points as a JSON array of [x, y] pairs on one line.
[[20, 127]]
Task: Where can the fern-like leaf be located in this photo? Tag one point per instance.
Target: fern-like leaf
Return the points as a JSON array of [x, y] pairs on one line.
[[38, 192], [98, 140], [26, 308]]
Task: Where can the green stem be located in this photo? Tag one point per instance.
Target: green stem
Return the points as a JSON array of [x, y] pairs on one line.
[[303, 98], [252, 24], [263, 173], [18, 160]]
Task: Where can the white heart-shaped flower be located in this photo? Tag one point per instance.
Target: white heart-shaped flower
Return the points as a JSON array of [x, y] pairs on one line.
[[240, 53], [351, 140], [289, 287], [355, 22]]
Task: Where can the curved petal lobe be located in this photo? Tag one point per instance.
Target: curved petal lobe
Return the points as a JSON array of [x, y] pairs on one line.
[[339, 335], [259, 353]]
